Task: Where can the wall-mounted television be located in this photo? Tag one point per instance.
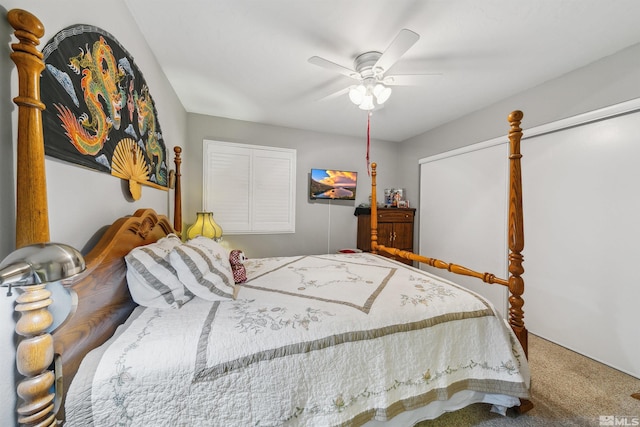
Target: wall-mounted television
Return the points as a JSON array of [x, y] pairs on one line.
[[332, 184]]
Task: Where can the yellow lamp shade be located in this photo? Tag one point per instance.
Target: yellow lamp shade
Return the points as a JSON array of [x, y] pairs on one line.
[[205, 226]]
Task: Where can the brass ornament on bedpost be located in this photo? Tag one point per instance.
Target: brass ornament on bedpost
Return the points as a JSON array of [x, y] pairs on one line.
[[31, 268], [32, 215], [516, 232]]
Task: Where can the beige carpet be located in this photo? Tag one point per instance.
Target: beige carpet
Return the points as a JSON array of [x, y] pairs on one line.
[[568, 389]]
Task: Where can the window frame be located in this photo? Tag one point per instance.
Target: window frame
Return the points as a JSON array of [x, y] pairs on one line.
[[251, 173]]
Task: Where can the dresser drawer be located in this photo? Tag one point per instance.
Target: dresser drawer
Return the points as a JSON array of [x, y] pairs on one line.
[[392, 215]]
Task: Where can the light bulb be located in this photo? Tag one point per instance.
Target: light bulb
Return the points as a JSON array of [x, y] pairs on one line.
[[382, 93], [367, 103], [356, 94]]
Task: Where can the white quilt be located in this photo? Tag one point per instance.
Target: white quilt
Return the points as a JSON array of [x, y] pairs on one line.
[[326, 340]]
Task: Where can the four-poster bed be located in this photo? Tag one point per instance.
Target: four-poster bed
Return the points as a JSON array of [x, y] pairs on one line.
[[103, 303]]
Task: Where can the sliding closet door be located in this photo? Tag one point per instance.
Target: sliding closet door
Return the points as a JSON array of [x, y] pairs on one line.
[[582, 232], [463, 216]]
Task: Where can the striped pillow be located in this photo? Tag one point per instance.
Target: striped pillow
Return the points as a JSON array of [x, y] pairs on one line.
[[152, 280], [203, 266]]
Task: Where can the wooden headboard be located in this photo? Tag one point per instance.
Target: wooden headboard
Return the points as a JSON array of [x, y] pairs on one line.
[[101, 297]]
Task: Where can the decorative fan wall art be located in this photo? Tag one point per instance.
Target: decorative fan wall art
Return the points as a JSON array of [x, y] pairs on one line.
[[99, 111]]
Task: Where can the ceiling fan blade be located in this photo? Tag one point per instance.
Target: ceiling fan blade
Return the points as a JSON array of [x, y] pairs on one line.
[[336, 94], [402, 43], [324, 63], [410, 79]]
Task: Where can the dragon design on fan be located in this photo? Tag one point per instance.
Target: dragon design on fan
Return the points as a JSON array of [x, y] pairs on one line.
[[147, 124], [100, 80], [99, 110]]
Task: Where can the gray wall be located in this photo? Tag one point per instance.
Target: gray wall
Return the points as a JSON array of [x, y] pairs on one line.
[[321, 226]]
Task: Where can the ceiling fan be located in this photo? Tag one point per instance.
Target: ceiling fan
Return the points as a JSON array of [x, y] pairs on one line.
[[369, 70]]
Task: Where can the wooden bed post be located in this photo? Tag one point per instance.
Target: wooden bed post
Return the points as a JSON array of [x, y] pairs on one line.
[[32, 215], [374, 209], [516, 232], [177, 204], [34, 354], [516, 242]]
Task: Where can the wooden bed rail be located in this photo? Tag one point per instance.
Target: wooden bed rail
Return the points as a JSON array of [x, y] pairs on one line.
[[515, 283], [453, 268]]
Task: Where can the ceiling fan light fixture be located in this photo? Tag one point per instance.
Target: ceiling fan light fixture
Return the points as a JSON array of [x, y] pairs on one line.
[[368, 96], [382, 93], [369, 69]]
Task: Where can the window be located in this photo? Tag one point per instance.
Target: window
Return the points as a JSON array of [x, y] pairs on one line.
[[250, 188]]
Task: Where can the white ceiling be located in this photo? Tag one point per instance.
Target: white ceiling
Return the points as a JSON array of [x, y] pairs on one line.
[[248, 59]]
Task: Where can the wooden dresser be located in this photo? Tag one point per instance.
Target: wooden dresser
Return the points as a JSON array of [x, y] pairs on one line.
[[395, 229]]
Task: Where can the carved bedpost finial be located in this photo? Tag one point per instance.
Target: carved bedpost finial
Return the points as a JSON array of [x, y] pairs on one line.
[[516, 232], [177, 214], [29, 30], [32, 215], [515, 117]]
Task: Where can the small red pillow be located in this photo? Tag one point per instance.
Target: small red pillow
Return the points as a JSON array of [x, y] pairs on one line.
[[236, 258]]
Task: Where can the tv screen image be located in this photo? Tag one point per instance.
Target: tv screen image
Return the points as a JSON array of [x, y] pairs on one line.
[[332, 184]]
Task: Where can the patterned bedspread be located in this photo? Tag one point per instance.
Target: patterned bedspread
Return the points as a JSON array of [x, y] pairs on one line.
[[321, 340]]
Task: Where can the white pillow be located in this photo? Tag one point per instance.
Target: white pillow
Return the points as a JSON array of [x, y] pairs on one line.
[[203, 266], [152, 280]]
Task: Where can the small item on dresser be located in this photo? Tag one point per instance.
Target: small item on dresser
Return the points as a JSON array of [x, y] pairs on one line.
[[388, 196], [237, 258]]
